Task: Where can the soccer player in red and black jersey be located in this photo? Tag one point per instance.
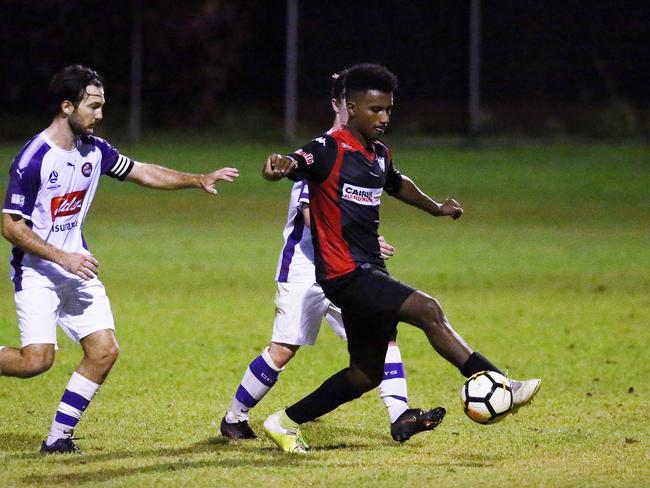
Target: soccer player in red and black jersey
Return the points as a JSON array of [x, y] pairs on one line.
[[347, 172]]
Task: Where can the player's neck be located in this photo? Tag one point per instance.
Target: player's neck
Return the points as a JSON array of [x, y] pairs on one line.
[[60, 134], [365, 142]]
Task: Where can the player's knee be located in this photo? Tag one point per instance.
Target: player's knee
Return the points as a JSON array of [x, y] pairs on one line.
[[431, 314], [105, 357], [112, 354], [36, 363]]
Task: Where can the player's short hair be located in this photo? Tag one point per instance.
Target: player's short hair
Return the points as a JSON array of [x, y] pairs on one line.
[[70, 84], [367, 76]]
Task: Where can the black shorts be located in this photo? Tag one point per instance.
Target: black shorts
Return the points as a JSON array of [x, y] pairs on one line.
[[370, 300]]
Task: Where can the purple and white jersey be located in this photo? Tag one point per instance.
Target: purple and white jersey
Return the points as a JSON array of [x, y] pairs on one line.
[[296, 263], [52, 189]]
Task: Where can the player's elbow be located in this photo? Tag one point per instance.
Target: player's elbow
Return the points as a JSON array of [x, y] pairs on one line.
[[8, 228]]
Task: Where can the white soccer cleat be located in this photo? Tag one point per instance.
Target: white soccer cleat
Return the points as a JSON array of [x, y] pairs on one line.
[[523, 392], [285, 433]]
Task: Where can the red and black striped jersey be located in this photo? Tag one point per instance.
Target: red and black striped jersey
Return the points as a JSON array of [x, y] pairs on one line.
[[346, 182]]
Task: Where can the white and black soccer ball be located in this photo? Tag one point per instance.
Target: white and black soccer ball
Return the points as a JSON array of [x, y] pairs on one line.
[[487, 397]]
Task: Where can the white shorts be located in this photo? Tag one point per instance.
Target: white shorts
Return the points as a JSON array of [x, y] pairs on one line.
[[299, 311], [80, 308]]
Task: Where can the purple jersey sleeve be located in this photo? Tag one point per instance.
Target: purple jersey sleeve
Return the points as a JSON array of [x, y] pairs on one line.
[[25, 180], [315, 159], [113, 163]]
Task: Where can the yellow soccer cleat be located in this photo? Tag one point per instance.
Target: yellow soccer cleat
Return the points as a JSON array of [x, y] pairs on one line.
[[285, 433]]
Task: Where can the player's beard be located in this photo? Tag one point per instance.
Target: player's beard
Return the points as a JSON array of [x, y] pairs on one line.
[[78, 128]]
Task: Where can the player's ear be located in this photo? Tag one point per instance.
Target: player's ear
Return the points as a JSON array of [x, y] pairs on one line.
[[67, 107], [335, 105]]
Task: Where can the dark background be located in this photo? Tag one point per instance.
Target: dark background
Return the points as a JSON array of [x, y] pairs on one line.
[[548, 68]]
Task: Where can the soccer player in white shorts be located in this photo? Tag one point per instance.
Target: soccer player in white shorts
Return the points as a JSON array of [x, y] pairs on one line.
[[301, 306], [52, 182]]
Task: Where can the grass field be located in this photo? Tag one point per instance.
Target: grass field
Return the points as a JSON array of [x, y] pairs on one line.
[[547, 273]]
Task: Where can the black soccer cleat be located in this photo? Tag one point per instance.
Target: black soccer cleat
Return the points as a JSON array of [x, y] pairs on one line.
[[413, 421], [239, 430], [61, 446]]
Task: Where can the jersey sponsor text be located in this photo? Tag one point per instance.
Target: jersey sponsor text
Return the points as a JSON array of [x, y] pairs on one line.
[[68, 204], [64, 227], [362, 196]]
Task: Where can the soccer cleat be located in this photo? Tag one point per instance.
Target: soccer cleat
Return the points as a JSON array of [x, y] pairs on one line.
[[523, 392], [61, 446], [288, 439], [414, 421], [238, 430]]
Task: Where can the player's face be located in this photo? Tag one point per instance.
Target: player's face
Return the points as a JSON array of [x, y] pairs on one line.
[[88, 113], [369, 113]]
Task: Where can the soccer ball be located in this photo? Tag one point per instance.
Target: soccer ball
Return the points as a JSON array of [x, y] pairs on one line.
[[487, 397]]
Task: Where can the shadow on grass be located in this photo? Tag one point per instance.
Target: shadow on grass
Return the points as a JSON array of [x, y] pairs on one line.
[[12, 442], [210, 446]]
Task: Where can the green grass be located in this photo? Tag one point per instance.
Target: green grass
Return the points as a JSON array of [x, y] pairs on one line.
[[547, 273]]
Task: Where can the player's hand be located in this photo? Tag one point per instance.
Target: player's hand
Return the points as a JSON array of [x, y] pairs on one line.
[[84, 266], [385, 249], [278, 166], [451, 208], [224, 174]]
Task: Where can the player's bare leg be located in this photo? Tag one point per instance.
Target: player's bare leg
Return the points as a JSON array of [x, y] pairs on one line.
[[282, 353], [100, 353], [424, 312], [27, 362]]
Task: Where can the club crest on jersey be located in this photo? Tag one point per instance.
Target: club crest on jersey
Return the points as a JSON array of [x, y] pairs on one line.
[[86, 169], [362, 196], [68, 204], [382, 163], [309, 157]]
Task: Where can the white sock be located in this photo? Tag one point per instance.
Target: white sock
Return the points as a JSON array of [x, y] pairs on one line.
[[76, 398], [259, 378], [392, 389]]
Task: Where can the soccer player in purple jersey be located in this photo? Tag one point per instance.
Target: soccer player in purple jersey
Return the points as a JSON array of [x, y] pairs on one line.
[[347, 172], [301, 306], [52, 182]]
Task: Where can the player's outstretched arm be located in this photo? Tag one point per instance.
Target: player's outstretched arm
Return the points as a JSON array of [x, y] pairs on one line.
[[409, 193], [277, 167], [16, 231], [162, 178]]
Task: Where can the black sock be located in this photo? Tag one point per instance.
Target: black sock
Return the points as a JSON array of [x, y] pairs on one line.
[[475, 363], [335, 391]]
